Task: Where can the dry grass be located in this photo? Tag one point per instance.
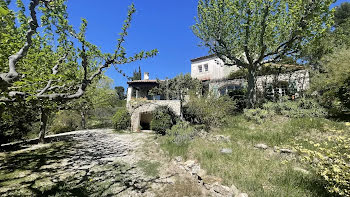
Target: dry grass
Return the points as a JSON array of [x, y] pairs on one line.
[[260, 173], [182, 187]]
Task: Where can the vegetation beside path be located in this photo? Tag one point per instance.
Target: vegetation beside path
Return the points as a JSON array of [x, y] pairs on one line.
[[256, 171]]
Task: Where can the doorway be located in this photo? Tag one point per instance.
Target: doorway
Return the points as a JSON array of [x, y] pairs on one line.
[[145, 120]]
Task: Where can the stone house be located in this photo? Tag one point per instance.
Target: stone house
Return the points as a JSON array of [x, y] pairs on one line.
[[140, 103], [211, 71]]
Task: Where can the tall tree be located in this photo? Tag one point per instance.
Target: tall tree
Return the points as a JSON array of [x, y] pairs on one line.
[[120, 91], [333, 84], [342, 13], [335, 38], [178, 88], [137, 75], [49, 74], [98, 96], [250, 34]]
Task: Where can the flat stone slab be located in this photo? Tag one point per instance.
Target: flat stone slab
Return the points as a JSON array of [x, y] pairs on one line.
[[261, 146], [226, 151]]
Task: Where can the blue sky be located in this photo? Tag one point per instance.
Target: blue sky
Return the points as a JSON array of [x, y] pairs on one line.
[[161, 24], [164, 25]]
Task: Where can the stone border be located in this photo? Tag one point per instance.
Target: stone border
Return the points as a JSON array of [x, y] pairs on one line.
[[210, 183]]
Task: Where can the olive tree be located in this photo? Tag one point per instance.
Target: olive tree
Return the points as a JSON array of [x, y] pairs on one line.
[[250, 33]]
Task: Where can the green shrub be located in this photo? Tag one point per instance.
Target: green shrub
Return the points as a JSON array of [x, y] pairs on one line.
[[301, 108], [304, 107], [258, 115], [239, 97], [181, 133], [17, 120], [210, 111], [177, 139], [333, 83], [121, 119], [65, 121], [163, 119], [331, 161]]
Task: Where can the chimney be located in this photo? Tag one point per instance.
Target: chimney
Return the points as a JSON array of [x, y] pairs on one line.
[[146, 76]]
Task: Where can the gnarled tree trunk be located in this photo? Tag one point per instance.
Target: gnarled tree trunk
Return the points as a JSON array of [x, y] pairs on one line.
[[251, 92]]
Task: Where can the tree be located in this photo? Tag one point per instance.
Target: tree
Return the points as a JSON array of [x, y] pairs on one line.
[[250, 34], [336, 37], [177, 88], [341, 33], [46, 74], [334, 82], [342, 13], [120, 91], [98, 96], [137, 75]]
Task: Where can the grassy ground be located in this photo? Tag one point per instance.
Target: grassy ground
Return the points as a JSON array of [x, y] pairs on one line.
[[257, 172], [149, 168]]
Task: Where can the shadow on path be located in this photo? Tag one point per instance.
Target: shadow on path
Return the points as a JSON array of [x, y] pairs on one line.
[[82, 164]]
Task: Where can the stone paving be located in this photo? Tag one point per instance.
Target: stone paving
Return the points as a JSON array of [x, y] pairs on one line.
[[83, 163]]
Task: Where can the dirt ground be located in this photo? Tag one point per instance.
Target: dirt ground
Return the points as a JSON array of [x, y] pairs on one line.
[[93, 163]]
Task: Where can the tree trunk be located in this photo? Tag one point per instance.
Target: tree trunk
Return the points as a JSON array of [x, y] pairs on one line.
[[251, 91], [167, 89], [83, 119], [43, 124], [181, 111]]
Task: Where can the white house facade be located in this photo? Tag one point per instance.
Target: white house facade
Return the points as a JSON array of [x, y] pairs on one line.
[[210, 68]]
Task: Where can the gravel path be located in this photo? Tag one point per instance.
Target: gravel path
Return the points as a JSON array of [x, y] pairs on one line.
[[86, 163]]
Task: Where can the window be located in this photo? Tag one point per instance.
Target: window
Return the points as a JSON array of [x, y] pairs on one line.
[[200, 68], [280, 89], [231, 90], [206, 68]]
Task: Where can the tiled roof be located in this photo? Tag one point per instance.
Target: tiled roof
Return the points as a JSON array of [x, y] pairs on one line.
[[144, 81], [203, 58]]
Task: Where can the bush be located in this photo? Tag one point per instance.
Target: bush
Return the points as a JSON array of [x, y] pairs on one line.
[[210, 111], [177, 139], [331, 161], [16, 121], [121, 119], [181, 133], [301, 108], [163, 119], [304, 107], [239, 97], [258, 115], [65, 121], [332, 84]]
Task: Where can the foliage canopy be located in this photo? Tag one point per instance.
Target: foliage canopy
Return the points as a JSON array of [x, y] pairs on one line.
[[250, 34]]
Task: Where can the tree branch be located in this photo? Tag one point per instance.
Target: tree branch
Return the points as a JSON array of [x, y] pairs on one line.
[[246, 40], [8, 78], [227, 55], [284, 47], [54, 72], [262, 34]]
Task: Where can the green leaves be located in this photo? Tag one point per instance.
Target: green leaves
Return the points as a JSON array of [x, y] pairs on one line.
[[233, 27], [3, 11]]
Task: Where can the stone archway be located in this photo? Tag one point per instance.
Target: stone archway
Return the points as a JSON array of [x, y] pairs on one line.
[[145, 120], [146, 108]]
